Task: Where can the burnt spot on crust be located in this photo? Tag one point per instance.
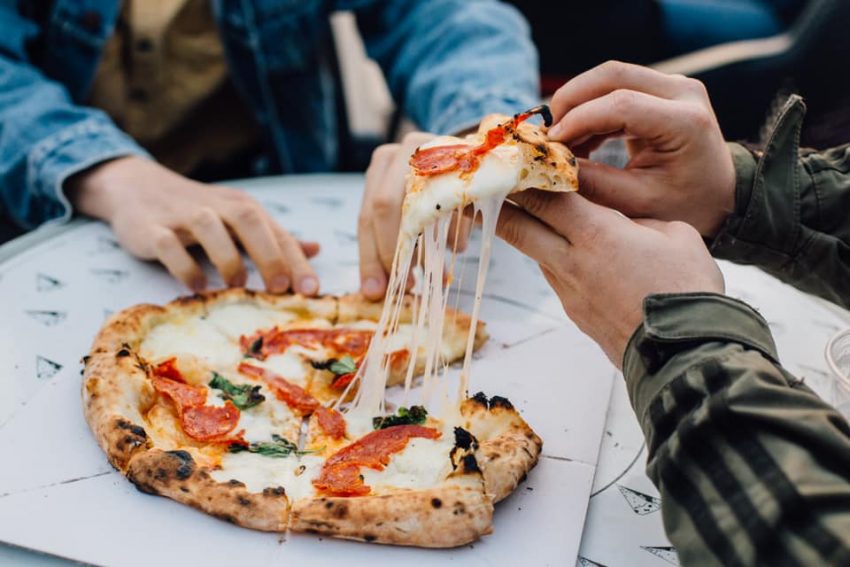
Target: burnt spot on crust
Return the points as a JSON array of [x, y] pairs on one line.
[[226, 517], [492, 403], [459, 508], [339, 510], [186, 464], [142, 486], [244, 501], [572, 161], [436, 503], [274, 492], [481, 398], [85, 359], [470, 464], [500, 402], [136, 430], [464, 439], [122, 353], [369, 537], [235, 483]]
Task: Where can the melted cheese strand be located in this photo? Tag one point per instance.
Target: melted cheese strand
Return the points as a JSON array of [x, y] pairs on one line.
[[489, 209], [371, 377]]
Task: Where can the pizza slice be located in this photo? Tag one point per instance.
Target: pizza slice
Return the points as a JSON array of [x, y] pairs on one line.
[[506, 155]]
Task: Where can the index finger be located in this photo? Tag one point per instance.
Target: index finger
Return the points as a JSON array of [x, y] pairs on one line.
[[531, 237], [620, 112], [611, 76], [568, 214]]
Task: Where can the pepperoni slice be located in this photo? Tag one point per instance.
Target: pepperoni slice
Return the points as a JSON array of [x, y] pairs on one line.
[[465, 159], [198, 420], [398, 359], [342, 480], [443, 159], [331, 422], [183, 395], [168, 369], [342, 381], [354, 342], [296, 397], [210, 423], [372, 451]]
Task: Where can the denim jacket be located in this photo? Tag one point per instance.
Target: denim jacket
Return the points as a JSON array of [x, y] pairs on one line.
[[447, 63]]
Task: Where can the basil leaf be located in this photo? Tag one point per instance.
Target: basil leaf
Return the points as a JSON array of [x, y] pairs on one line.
[[414, 415], [243, 396], [277, 448], [344, 365]]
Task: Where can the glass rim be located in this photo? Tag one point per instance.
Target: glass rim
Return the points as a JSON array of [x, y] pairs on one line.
[[843, 378]]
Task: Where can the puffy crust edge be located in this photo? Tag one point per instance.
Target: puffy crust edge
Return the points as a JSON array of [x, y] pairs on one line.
[[453, 514], [176, 475], [507, 446]]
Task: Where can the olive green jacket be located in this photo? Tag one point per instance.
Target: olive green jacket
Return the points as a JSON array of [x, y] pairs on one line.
[[753, 468]]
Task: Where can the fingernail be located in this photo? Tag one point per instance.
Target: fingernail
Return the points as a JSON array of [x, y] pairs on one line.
[[238, 280], [309, 285], [372, 286], [280, 283], [198, 284], [555, 131]]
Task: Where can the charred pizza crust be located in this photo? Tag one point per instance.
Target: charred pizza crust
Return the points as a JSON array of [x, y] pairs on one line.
[[117, 392]]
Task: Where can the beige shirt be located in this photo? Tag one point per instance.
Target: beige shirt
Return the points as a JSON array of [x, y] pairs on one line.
[[163, 79]]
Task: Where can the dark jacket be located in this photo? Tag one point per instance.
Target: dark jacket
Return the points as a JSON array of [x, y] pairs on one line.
[[752, 466]]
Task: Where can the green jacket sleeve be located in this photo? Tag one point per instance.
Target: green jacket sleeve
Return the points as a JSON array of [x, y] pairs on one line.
[[753, 468], [791, 211]]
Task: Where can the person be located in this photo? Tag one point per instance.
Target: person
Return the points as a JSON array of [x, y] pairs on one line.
[[753, 468], [119, 110]]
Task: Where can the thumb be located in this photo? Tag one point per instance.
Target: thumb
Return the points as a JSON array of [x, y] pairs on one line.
[[619, 189]]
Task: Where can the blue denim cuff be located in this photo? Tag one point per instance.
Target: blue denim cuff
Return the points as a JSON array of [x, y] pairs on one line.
[[69, 151], [469, 107]]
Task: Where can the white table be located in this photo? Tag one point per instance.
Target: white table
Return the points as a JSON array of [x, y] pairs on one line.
[[58, 283]]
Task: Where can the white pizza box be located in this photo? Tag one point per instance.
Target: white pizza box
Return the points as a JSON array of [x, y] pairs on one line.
[[58, 495]]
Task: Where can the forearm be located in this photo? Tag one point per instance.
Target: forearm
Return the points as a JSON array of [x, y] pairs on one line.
[[45, 140], [449, 62], [790, 212], [753, 468]]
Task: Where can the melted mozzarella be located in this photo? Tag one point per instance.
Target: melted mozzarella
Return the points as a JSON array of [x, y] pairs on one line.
[[236, 319], [268, 418], [498, 174], [293, 364], [259, 472], [424, 463], [191, 336]]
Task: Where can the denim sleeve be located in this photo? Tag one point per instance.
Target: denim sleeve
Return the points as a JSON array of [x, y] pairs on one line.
[[450, 62], [44, 136]]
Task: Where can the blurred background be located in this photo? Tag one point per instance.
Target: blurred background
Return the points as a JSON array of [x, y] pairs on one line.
[[750, 54]]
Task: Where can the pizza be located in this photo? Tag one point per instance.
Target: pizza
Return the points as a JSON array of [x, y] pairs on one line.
[[241, 404]]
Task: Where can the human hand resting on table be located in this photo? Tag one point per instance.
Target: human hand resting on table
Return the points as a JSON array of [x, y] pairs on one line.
[[602, 265], [679, 165], [380, 213], [156, 213]]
